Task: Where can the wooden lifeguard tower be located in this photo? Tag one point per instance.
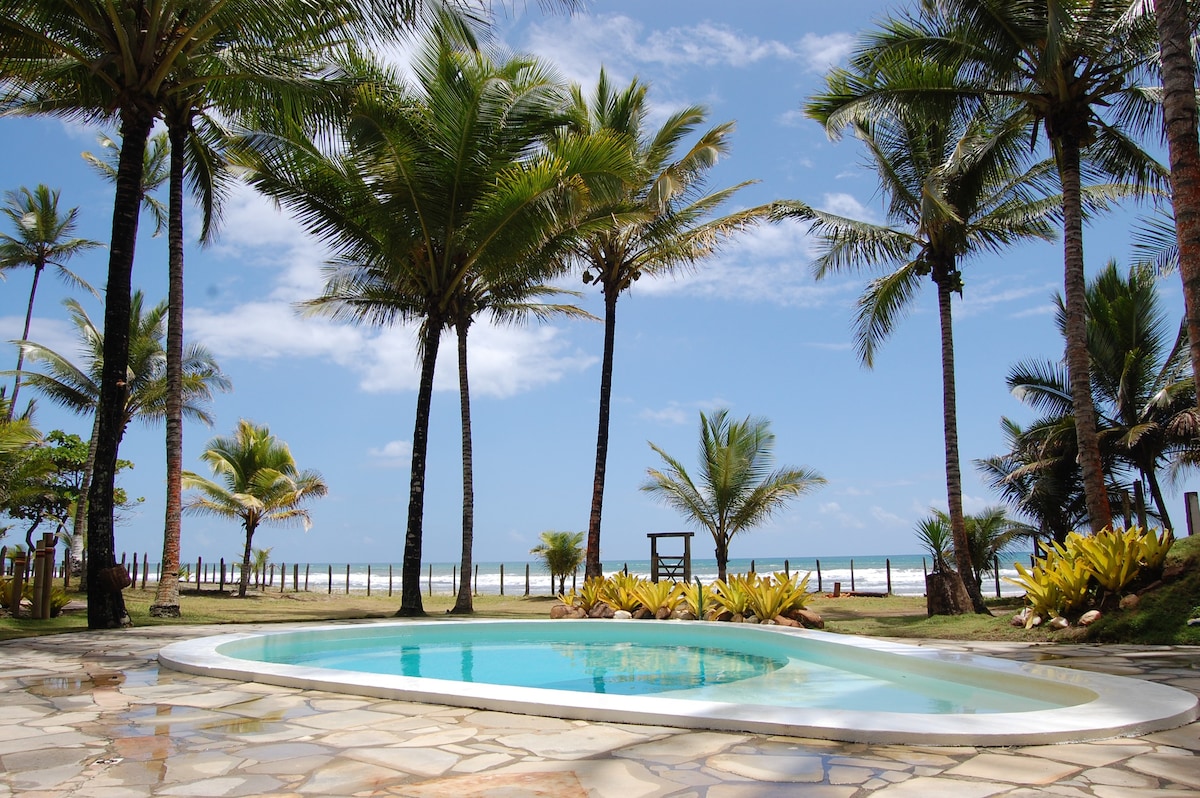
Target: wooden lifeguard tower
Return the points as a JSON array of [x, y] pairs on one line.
[[674, 568]]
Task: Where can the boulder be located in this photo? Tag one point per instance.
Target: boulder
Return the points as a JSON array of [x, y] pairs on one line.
[[1021, 617], [682, 614], [560, 611], [600, 610], [737, 617], [1059, 622], [641, 612], [1129, 602], [719, 615], [663, 614], [809, 619], [783, 620], [1089, 617], [622, 615]]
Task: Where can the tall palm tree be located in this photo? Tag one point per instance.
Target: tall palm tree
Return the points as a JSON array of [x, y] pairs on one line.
[[562, 554], [506, 297], [124, 61], [661, 222], [435, 184], [155, 171], [956, 186], [257, 482], [737, 487], [41, 240], [1075, 68], [1178, 67], [75, 384]]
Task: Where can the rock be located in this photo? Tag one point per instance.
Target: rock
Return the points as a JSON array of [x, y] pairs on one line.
[[641, 613], [737, 617], [622, 615], [1193, 622], [809, 619], [663, 614], [682, 614], [1021, 617], [753, 619], [560, 611], [600, 610], [768, 622], [1173, 572], [720, 615], [1129, 602], [1089, 617], [1037, 621], [783, 620], [1059, 622], [577, 613]]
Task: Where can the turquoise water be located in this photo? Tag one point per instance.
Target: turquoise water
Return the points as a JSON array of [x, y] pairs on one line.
[[646, 658]]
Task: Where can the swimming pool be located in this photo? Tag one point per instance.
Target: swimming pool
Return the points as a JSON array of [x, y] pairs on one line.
[[700, 675]]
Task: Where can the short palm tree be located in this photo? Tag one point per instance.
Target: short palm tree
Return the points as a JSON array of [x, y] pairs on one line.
[[255, 480], [42, 239], [661, 222], [1076, 69], [155, 172], [75, 384], [737, 488], [562, 555], [957, 186]]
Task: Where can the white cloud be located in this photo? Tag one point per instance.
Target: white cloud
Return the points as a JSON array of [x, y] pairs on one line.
[[681, 412], [822, 52], [846, 205], [393, 454], [889, 518], [765, 263], [710, 45]]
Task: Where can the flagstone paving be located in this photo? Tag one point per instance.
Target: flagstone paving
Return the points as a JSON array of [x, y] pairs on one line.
[[94, 715]]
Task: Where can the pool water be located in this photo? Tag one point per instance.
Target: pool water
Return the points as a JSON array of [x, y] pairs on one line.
[[637, 659], [736, 677]]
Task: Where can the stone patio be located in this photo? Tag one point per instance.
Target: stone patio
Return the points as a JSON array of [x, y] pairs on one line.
[[94, 715]]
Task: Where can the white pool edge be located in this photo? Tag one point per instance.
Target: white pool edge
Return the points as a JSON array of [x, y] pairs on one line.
[[1123, 706]]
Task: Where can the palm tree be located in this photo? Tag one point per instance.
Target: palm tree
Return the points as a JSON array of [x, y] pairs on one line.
[[129, 61], [258, 483], [155, 172], [661, 222], [737, 489], [1074, 67], [505, 297], [956, 186], [1179, 110], [1039, 478], [989, 534], [41, 240], [562, 554], [435, 184], [76, 386]]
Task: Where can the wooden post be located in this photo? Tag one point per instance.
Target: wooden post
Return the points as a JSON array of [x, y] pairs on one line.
[[888, 562], [134, 575], [476, 592], [48, 539], [924, 568], [389, 580], [222, 582], [753, 570], [39, 578], [271, 576], [574, 574], [837, 589], [198, 561], [526, 579], [368, 580], [347, 579], [145, 568], [453, 580], [501, 579], [331, 580], [18, 583], [787, 569], [282, 576], [996, 572], [819, 588], [306, 567], [852, 576], [431, 579]]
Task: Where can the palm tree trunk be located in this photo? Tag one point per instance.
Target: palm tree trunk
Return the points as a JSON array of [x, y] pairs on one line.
[[244, 578], [592, 565], [106, 606], [37, 273], [1180, 120], [1159, 502], [944, 278], [166, 597], [722, 555], [463, 603], [410, 567], [1078, 362]]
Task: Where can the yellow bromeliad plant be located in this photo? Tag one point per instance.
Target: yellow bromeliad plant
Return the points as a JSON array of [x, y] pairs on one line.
[[733, 594], [697, 598], [778, 595], [621, 591], [656, 596]]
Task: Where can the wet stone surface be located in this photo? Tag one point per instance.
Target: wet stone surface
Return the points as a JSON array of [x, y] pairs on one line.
[[93, 715]]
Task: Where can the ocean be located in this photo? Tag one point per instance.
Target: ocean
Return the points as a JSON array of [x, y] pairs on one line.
[[868, 574]]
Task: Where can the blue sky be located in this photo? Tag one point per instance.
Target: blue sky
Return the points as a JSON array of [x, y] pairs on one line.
[[748, 329]]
